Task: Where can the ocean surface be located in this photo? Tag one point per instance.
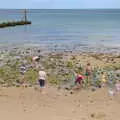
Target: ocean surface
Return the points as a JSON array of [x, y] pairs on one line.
[[87, 30]]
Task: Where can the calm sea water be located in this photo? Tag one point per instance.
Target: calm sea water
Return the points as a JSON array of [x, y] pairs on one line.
[[98, 28]]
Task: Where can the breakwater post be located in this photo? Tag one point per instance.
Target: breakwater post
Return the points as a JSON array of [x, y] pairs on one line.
[[25, 15]]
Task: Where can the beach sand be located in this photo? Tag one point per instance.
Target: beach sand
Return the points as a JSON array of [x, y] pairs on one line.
[[17, 103], [30, 104]]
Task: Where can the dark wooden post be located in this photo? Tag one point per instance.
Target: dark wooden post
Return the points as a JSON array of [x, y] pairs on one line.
[[25, 15]]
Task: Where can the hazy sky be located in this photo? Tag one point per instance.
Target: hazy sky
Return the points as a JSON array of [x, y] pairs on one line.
[[68, 4]]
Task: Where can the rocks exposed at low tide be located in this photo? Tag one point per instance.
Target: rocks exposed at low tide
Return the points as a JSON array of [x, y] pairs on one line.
[[60, 66]]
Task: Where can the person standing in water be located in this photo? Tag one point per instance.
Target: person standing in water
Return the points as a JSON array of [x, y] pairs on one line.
[[42, 79]]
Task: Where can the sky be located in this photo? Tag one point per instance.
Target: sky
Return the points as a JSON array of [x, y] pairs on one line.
[[60, 4]]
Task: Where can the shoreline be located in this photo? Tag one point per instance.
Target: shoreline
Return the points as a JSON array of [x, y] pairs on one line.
[[64, 47]]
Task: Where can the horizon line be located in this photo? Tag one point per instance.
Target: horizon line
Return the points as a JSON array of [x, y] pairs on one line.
[[57, 8]]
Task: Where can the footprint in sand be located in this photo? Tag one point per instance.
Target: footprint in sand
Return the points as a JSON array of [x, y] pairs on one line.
[[2, 95]]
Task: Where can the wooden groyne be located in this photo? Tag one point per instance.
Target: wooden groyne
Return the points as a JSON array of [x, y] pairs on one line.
[[14, 23]]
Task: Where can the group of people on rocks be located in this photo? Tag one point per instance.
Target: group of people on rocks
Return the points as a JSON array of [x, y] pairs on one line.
[[79, 77], [104, 80]]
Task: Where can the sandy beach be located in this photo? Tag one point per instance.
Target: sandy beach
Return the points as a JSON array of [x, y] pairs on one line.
[[17, 103], [29, 104]]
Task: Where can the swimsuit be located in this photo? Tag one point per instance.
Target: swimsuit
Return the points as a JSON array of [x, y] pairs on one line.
[[88, 72]]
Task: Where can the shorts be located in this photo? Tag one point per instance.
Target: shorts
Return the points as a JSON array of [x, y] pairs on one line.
[[41, 82], [88, 73], [78, 81]]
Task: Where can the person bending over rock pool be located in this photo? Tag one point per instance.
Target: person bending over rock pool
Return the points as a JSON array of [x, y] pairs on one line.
[[79, 80], [35, 60], [42, 79]]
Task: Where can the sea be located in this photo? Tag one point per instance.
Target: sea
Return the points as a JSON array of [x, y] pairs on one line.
[[92, 30]]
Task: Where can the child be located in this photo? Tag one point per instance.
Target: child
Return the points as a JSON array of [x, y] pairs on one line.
[[42, 79], [103, 79], [88, 72], [111, 90], [117, 86], [79, 80], [23, 70]]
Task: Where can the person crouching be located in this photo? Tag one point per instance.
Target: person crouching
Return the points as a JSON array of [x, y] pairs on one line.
[[79, 81]]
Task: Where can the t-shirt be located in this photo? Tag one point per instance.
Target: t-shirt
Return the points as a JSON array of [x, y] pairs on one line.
[[42, 75]]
